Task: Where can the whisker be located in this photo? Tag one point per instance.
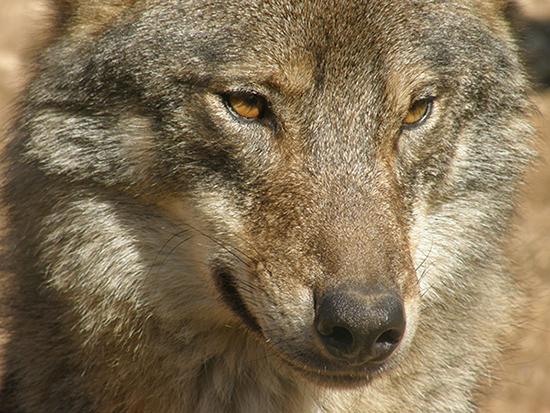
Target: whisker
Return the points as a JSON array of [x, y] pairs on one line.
[[224, 246], [164, 245]]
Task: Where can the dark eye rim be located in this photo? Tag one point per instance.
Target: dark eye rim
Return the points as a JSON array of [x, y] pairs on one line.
[[265, 107], [429, 110]]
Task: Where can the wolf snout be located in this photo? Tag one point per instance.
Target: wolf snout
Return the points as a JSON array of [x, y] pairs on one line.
[[359, 327]]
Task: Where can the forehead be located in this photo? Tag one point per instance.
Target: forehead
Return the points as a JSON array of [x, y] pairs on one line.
[[365, 37], [275, 29]]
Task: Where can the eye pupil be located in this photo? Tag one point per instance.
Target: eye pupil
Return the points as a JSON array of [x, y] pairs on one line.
[[246, 105]]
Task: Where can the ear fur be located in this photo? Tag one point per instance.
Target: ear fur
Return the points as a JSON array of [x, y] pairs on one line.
[[499, 14]]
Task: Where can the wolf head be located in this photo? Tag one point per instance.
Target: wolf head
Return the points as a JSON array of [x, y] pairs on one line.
[[332, 178]]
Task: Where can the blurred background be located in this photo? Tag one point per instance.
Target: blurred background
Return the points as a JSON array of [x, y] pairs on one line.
[[524, 386]]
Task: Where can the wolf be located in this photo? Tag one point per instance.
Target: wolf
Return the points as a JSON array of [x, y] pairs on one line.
[[273, 206]]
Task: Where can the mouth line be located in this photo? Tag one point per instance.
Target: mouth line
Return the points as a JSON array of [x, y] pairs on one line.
[[227, 286], [335, 380]]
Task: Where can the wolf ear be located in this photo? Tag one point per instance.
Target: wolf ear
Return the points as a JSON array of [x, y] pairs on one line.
[[494, 8], [496, 5], [500, 15], [63, 8]]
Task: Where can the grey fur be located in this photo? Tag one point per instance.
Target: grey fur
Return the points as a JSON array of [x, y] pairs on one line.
[[130, 186]]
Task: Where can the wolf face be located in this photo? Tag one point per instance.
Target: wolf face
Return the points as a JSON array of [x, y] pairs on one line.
[[331, 181]]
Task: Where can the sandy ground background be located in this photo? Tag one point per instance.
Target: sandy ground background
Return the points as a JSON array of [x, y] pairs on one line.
[[525, 383]]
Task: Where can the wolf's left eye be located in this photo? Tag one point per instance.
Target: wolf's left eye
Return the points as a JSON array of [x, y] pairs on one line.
[[418, 113], [249, 106]]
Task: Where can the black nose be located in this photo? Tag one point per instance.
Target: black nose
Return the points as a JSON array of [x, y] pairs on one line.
[[360, 327]]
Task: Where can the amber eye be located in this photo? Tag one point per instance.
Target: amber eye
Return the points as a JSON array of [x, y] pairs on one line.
[[418, 112], [249, 106]]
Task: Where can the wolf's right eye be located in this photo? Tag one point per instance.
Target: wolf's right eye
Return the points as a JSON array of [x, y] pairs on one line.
[[249, 106], [418, 113]]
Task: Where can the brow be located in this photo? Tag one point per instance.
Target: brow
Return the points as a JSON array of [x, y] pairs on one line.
[[292, 80]]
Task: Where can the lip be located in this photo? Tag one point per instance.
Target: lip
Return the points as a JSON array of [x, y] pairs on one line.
[[343, 380], [227, 286]]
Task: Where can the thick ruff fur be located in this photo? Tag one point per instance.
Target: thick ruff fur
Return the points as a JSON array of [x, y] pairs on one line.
[[165, 254]]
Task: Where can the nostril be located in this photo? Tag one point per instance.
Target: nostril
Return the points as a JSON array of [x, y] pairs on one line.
[[385, 344], [390, 337], [339, 338]]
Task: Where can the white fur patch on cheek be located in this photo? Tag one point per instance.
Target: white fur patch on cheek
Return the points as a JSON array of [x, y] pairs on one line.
[[184, 214], [426, 255], [218, 209], [209, 216], [441, 242], [137, 143]]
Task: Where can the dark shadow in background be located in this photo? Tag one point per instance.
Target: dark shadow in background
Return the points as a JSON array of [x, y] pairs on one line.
[[534, 43]]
